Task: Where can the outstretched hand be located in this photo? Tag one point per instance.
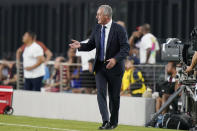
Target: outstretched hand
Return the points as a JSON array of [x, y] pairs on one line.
[[75, 44]]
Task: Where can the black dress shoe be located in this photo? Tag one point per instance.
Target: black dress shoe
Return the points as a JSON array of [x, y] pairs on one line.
[[112, 126], [104, 126]]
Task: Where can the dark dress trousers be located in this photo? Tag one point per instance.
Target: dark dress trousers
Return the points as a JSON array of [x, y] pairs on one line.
[[118, 48]]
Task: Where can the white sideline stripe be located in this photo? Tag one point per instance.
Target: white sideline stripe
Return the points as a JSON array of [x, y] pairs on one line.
[[50, 128]]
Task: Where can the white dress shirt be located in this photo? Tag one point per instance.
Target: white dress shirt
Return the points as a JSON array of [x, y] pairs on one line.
[[107, 30]]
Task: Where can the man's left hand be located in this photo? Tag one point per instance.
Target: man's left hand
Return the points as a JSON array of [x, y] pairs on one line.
[[189, 69], [111, 63], [28, 68]]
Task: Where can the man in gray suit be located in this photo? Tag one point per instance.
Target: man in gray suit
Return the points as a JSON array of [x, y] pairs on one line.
[[111, 43]]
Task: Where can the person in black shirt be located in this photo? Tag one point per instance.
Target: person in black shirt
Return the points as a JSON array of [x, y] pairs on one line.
[[134, 42], [168, 87], [193, 37]]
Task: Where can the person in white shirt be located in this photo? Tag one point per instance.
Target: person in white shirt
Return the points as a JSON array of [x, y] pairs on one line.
[[148, 46], [33, 58]]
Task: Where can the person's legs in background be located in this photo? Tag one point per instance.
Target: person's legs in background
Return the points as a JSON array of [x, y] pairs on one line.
[[164, 99], [37, 83], [28, 84], [158, 103]]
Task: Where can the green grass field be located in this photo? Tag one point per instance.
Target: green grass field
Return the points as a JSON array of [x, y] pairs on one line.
[[19, 123]]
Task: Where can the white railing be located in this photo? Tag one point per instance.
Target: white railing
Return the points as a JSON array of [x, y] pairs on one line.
[[151, 73]]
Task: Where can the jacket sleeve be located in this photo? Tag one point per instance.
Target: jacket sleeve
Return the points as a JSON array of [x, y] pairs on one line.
[[124, 45], [90, 45]]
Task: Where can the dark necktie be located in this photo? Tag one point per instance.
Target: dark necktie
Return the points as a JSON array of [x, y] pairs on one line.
[[102, 44]]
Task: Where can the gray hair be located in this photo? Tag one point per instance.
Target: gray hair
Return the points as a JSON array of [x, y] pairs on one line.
[[107, 10]]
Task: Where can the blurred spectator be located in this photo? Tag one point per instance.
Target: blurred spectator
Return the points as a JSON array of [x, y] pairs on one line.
[[75, 79], [125, 91], [137, 85], [135, 59], [85, 57], [53, 84], [121, 23], [47, 74], [72, 58], [134, 42], [133, 80], [74, 72], [47, 52], [33, 58], [8, 75], [88, 78], [168, 87], [3, 72], [148, 46]]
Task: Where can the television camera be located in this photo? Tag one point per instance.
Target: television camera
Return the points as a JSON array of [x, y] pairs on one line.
[[182, 52]]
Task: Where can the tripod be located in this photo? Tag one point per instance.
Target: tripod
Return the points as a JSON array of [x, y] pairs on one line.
[[189, 102]]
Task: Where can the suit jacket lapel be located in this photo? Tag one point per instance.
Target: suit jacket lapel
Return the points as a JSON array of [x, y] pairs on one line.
[[110, 36], [99, 36]]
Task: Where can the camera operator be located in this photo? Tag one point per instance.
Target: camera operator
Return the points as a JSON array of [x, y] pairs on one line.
[[193, 37], [167, 88]]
